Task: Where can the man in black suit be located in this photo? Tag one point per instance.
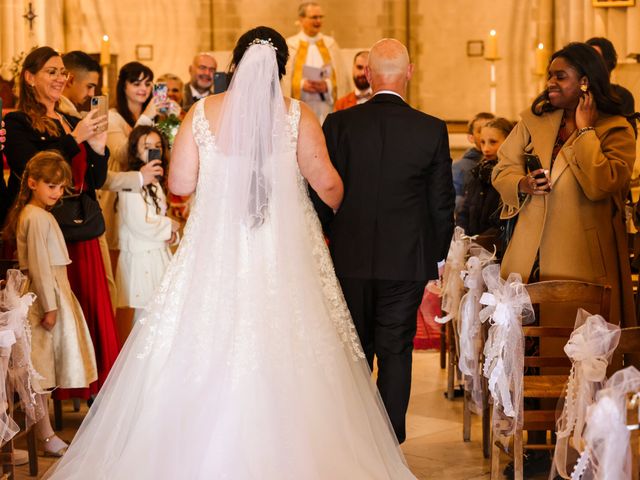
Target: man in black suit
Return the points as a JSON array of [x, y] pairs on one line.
[[396, 220]]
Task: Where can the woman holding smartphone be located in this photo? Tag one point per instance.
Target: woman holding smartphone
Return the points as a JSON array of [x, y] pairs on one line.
[[38, 125], [570, 221]]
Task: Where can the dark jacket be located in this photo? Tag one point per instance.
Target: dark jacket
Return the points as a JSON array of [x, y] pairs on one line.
[[23, 142], [480, 211], [396, 218]]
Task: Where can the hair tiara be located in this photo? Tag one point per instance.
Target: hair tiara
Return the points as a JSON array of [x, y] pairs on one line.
[[261, 41]]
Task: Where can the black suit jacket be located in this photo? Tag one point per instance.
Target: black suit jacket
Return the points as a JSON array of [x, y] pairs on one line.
[[23, 142], [396, 219]]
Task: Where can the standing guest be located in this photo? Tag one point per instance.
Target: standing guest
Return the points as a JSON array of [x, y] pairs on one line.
[[83, 77], [571, 222], [312, 48], [202, 71], [38, 126], [480, 213], [135, 106], [4, 194], [146, 232], [608, 52], [396, 220], [362, 92], [62, 352], [175, 87], [461, 168]]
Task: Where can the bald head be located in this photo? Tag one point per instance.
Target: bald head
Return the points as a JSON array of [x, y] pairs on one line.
[[389, 66], [388, 57]]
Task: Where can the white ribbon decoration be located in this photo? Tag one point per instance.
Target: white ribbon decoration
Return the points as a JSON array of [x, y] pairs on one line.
[[469, 325], [607, 453], [452, 284], [590, 348], [15, 352], [508, 306]]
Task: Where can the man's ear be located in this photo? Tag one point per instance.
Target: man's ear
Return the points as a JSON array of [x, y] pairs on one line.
[[70, 79], [410, 71]]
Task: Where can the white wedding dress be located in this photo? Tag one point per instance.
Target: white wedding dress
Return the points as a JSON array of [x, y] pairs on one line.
[[247, 365]]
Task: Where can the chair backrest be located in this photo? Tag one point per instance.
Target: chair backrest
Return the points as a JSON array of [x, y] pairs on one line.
[[559, 292]]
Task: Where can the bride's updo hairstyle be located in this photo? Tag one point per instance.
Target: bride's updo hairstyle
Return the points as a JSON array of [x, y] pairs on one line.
[[262, 33]]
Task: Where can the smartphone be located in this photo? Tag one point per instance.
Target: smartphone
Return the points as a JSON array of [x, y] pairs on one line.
[[100, 104], [154, 154], [161, 94], [0, 111], [220, 82], [532, 161]]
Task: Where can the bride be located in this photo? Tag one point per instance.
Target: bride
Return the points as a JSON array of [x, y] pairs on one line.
[[247, 364]]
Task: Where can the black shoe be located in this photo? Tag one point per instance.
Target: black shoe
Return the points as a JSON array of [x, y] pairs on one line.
[[535, 463]]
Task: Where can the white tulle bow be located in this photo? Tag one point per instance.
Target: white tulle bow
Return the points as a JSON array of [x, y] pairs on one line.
[[590, 348], [15, 353], [607, 453], [469, 325], [508, 306], [452, 283]]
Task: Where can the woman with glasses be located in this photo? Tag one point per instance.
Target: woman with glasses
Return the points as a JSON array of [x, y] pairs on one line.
[[38, 125]]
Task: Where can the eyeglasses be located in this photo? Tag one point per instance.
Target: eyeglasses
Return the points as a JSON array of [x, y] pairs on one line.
[[204, 68], [316, 17], [55, 72]]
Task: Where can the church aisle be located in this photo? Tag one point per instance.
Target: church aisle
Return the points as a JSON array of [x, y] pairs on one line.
[[434, 448]]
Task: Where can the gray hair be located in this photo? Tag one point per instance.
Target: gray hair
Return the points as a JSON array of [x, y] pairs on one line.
[[302, 8]]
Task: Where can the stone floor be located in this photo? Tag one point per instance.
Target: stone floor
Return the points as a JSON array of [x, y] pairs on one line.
[[434, 448]]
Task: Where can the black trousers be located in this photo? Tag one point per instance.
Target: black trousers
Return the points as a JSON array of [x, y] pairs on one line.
[[384, 313]]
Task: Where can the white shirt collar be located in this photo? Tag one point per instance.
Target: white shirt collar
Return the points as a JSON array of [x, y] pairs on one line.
[[390, 92], [196, 94], [309, 39]]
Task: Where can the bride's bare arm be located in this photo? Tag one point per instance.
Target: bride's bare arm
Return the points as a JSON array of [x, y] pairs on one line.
[[183, 173], [314, 162]]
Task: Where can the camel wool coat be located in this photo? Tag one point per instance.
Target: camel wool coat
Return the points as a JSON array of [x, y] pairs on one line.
[[578, 228]]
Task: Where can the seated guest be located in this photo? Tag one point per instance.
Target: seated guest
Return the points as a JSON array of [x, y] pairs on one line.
[[362, 92], [84, 74], [480, 211], [39, 125], [471, 157], [202, 71]]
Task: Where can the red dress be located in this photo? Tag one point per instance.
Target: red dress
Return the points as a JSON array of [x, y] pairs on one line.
[[88, 281]]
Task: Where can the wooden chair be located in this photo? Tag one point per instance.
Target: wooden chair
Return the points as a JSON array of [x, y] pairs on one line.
[[549, 387]]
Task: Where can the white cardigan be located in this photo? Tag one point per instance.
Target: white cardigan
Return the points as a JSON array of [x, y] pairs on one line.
[[141, 228]]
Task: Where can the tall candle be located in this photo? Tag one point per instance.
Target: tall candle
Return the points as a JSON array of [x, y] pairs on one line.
[[105, 53], [541, 60], [491, 51]]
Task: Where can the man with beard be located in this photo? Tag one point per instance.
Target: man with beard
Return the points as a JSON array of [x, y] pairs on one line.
[[362, 92], [202, 71]]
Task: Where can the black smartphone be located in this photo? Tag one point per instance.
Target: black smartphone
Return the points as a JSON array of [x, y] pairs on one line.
[[0, 110], [532, 162], [154, 154], [220, 82]]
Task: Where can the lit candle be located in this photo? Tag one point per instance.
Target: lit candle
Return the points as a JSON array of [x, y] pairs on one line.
[[491, 52], [541, 60], [105, 53]]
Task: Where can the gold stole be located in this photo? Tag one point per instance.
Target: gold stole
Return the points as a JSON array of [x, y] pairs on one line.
[[301, 58]]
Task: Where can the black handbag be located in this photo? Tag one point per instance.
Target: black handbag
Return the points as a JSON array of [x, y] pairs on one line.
[[79, 217]]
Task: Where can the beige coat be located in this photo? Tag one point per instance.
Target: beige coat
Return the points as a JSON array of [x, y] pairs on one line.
[[578, 228]]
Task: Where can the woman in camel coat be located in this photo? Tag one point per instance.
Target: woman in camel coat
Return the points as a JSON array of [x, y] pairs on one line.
[[570, 224]]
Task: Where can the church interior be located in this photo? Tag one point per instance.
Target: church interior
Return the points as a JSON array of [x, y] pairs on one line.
[[469, 56]]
